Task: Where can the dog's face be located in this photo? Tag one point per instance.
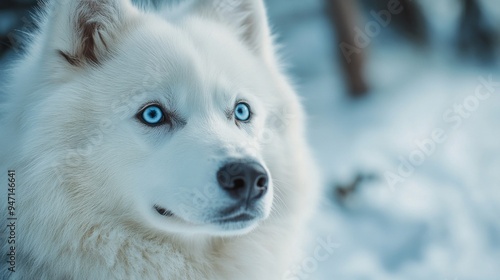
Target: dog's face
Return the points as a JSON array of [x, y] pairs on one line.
[[168, 115], [194, 127]]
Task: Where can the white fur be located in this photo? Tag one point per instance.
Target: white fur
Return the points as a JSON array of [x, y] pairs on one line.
[[88, 173]]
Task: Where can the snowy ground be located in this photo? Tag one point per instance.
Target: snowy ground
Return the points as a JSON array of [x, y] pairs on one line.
[[440, 220]]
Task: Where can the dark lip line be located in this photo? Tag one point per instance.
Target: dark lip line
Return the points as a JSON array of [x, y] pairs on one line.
[[235, 218], [231, 219], [163, 211]]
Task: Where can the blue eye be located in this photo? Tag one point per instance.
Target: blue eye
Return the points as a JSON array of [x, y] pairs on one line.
[[152, 115], [242, 112]]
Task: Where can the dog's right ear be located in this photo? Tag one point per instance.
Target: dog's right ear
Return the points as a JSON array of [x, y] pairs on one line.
[[248, 18], [84, 32]]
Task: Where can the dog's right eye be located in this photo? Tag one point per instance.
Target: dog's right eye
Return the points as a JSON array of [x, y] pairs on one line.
[[242, 112], [152, 115]]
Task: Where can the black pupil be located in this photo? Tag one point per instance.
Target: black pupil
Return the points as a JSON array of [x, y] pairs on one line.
[[152, 114], [240, 110]]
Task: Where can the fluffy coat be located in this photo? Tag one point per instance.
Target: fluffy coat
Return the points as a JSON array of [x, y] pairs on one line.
[[86, 169]]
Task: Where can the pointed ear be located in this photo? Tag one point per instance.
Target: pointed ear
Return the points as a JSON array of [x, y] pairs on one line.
[[85, 31], [247, 17]]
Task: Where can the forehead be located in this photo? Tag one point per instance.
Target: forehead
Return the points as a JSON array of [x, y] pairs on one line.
[[191, 62]]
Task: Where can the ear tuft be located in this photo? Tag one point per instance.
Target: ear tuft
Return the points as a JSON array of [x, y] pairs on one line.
[[247, 17], [93, 28]]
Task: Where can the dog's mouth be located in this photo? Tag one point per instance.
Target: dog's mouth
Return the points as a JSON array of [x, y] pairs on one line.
[[242, 217], [238, 217]]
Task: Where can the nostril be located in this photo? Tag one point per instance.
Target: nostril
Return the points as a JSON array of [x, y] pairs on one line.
[[262, 182], [238, 183]]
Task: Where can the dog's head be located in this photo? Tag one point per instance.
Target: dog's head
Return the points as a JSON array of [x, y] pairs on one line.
[[163, 117]]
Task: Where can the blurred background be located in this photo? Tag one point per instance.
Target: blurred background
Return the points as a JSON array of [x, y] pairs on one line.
[[404, 118]]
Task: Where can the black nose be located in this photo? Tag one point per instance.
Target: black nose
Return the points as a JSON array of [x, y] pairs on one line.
[[244, 181]]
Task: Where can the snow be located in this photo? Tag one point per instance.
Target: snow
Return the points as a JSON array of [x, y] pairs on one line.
[[442, 221]]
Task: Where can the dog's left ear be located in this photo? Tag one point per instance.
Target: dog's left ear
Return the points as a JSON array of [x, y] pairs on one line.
[[247, 17], [84, 32]]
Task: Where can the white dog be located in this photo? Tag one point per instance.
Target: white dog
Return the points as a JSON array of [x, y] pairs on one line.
[[152, 145]]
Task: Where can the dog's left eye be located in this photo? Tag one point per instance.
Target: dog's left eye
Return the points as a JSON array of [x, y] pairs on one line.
[[152, 115], [242, 112]]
